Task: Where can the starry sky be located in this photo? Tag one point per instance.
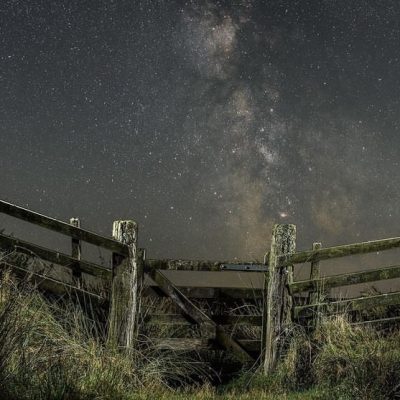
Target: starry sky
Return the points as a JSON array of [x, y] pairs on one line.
[[205, 121]]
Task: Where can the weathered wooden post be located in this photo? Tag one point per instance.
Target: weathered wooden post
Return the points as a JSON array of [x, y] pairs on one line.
[[126, 287], [315, 275], [76, 251], [277, 313]]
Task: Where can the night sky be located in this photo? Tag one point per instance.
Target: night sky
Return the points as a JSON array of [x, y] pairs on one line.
[[205, 121]]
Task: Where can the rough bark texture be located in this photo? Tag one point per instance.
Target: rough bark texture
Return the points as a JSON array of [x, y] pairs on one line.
[[126, 287], [277, 317]]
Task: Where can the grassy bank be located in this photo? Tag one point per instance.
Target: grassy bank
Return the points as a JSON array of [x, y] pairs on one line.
[[56, 350]]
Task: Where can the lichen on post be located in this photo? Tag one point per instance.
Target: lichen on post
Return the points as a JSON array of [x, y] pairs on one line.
[[278, 306], [125, 289]]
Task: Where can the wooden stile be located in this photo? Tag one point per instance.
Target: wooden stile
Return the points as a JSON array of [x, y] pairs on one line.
[[125, 289], [277, 313]]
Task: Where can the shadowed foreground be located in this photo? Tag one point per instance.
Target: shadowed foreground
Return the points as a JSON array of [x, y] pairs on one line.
[[56, 350]]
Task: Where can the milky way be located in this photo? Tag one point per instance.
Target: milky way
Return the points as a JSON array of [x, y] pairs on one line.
[[207, 122]]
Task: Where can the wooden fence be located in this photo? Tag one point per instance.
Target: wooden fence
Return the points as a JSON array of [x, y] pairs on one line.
[[280, 308]]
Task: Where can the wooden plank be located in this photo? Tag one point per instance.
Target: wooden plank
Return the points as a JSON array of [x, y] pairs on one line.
[[244, 267], [195, 315], [188, 265], [254, 320], [181, 344], [125, 289], [217, 293], [178, 319], [62, 227], [211, 293], [196, 344], [191, 312], [314, 297], [354, 278], [76, 250], [357, 304], [11, 244], [340, 251], [296, 258], [167, 319], [315, 275], [200, 292], [51, 285], [230, 344], [251, 345], [222, 293], [277, 311], [388, 320]]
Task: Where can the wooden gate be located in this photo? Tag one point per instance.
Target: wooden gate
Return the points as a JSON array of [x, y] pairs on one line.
[[131, 276]]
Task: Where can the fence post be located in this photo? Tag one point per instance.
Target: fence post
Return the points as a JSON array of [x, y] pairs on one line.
[[125, 288], [315, 295], [277, 313], [76, 251]]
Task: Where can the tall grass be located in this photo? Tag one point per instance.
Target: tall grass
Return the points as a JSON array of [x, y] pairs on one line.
[[358, 361], [55, 349], [338, 360]]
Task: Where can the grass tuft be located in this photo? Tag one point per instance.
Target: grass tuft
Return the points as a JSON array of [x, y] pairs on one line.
[[57, 350]]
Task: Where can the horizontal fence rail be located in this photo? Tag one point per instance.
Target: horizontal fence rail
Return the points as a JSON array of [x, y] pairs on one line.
[[62, 227], [11, 244], [190, 265], [357, 304], [339, 251], [126, 284], [193, 344], [221, 293], [347, 279], [54, 286], [178, 319]]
